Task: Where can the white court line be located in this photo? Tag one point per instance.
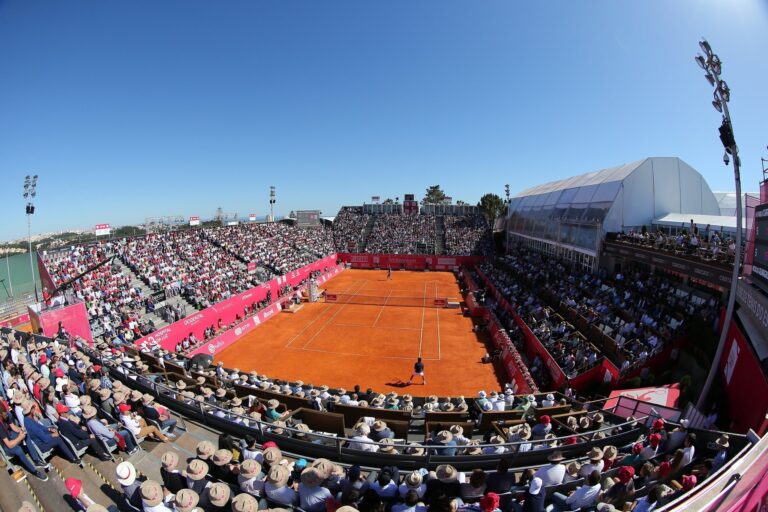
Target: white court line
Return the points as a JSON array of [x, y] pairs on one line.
[[380, 327], [423, 313], [377, 356], [382, 308], [438, 326], [327, 308], [332, 317]]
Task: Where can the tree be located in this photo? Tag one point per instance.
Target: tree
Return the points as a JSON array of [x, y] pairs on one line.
[[389, 200], [434, 195], [491, 206], [461, 203]]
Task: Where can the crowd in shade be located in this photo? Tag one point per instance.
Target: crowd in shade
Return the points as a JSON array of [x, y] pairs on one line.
[[467, 234], [641, 312], [348, 228], [278, 247], [60, 398], [395, 233], [570, 349], [706, 243]]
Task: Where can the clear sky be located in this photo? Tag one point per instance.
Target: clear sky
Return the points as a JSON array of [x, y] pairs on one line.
[[129, 109]]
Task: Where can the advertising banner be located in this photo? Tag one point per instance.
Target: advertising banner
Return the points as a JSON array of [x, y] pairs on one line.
[[251, 267], [227, 311], [409, 261], [101, 229], [252, 217], [194, 221], [45, 277], [74, 319]]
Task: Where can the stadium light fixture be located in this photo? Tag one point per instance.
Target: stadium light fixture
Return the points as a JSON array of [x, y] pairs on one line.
[[30, 192], [713, 66]]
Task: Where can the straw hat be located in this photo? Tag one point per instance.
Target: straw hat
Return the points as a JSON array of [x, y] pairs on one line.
[[556, 456], [94, 384], [573, 468], [572, 422], [151, 493], [244, 502], [196, 470], [221, 393], [205, 450], [723, 441], [473, 448], [324, 466], [272, 403], [446, 473], [413, 480], [89, 412], [250, 468], [362, 429], [595, 453], [444, 437], [278, 475], [181, 385], [273, 455], [584, 422], [414, 449], [610, 452], [222, 457], [136, 395], [125, 473], [379, 425], [598, 418], [386, 445], [218, 494], [456, 430], [186, 500], [235, 402], [147, 398], [170, 460], [277, 427], [104, 393]]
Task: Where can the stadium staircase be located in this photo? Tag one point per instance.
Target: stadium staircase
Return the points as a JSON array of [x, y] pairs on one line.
[[137, 282], [366, 233], [439, 234]]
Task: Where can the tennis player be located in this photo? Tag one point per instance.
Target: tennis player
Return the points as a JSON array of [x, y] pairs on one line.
[[418, 369], [389, 273]]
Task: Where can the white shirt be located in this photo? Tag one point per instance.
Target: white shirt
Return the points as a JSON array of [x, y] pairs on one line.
[[131, 424], [551, 474], [253, 486], [588, 468], [312, 498], [584, 496], [688, 455], [358, 443]]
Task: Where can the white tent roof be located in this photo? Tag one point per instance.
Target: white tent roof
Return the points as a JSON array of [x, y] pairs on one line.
[[591, 178], [678, 219]]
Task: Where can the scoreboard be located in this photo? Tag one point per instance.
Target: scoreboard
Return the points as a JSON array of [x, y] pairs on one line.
[[760, 258], [307, 218]]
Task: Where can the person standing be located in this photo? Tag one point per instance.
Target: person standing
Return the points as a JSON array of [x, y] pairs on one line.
[[418, 369], [389, 273]]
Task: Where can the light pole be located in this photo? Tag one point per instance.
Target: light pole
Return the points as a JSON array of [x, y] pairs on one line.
[[272, 202], [711, 63], [30, 191]]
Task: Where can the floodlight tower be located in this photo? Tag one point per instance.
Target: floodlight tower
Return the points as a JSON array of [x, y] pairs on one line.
[[272, 202], [30, 191], [712, 65]]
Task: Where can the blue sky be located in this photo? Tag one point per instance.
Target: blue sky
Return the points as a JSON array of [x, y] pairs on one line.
[[145, 108]]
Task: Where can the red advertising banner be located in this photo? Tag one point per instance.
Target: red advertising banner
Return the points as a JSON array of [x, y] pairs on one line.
[[251, 267], [745, 382], [409, 261], [330, 297], [252, 217], [19, 320], [74, 319], [45, 277], [101, 229], [227, 338], [194, 221], [228, 310]]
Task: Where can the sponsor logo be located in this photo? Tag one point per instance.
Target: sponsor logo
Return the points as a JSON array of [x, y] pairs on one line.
[[238, 331], [256, 320], [192, 320], [247, 296], [268, 313], [211, 348]]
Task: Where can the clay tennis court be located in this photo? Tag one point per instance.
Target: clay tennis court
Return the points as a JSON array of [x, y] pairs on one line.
[[343, 344]]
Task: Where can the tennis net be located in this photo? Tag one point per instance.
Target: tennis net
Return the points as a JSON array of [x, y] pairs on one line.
[[371, 300]]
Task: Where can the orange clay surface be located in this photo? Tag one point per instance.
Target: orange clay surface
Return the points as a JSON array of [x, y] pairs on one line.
[[341, 345]]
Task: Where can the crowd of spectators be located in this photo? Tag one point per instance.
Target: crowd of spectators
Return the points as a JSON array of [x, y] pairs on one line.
[[279, 247], [640, 312], [187, 263], [61, 399], [395, 233], [467, 234], [348, 228], [115, 308], [705, 243]]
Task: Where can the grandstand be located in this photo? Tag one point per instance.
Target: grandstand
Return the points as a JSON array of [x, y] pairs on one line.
[[263, 429]]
